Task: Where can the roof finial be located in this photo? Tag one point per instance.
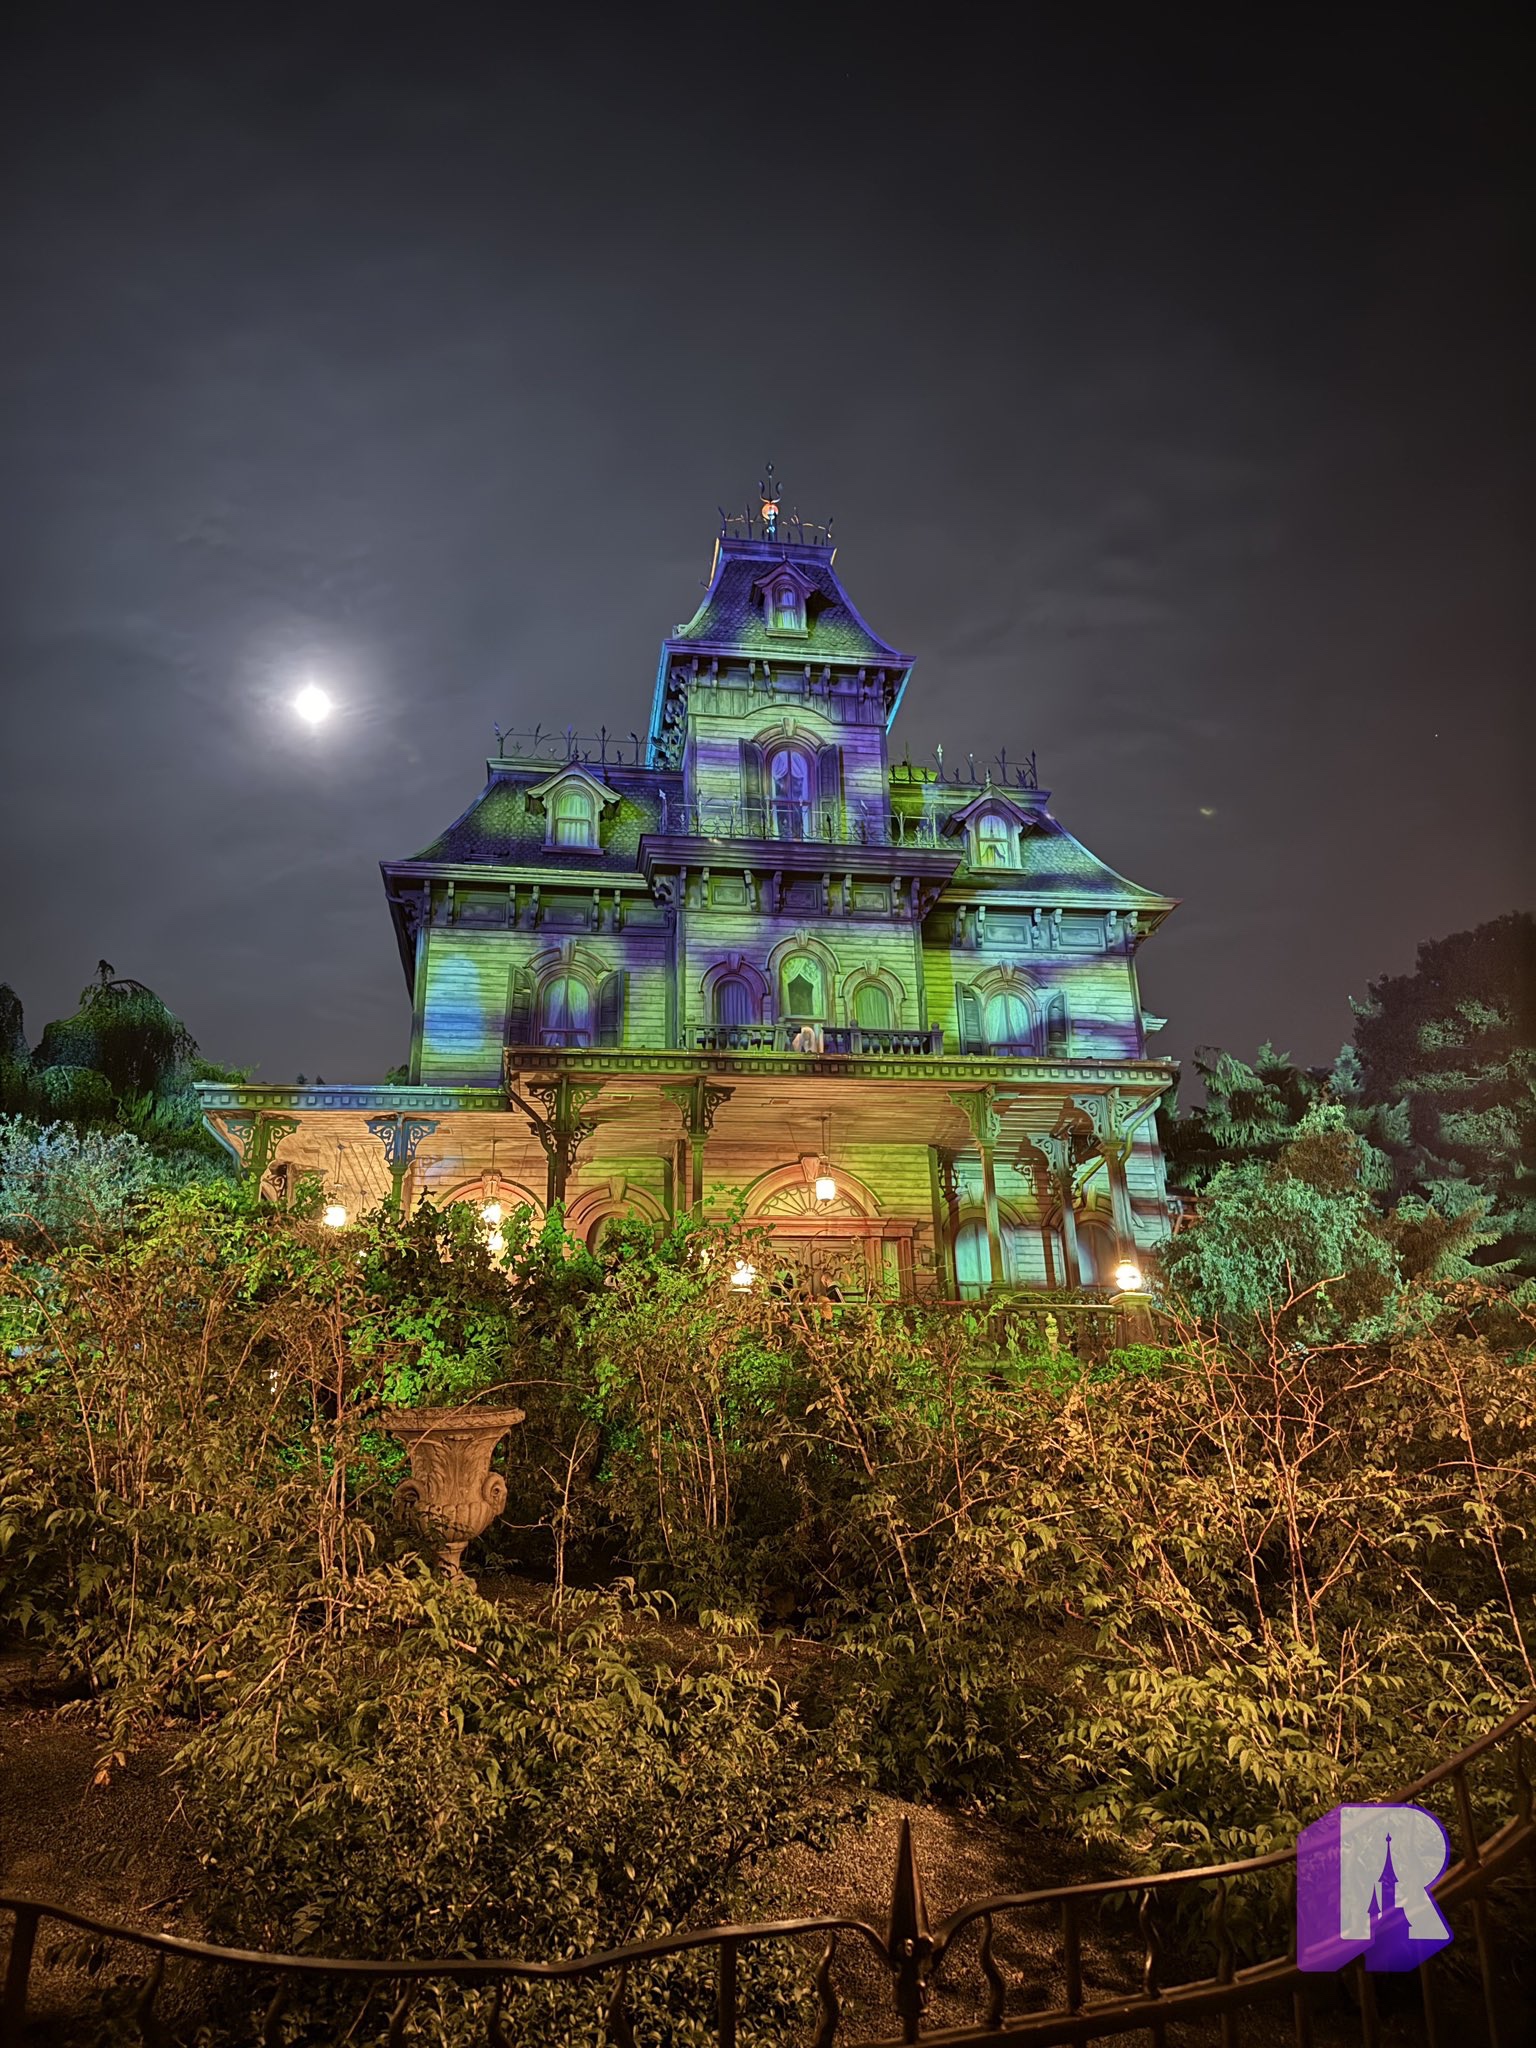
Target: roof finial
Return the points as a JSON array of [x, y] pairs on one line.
[[769, 494]]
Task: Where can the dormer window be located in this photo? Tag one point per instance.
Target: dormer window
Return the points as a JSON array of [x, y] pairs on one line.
[[573, 801], [992, 842], [572, 819], [785, 595]]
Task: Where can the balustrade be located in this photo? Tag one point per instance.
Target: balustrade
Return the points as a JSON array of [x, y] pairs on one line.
[[851, 1040], [844, 825]]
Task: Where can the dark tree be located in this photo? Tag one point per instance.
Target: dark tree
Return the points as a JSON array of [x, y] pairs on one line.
[[1455, 1044]]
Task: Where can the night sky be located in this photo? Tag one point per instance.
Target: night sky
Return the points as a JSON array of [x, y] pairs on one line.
[[1166, 372]]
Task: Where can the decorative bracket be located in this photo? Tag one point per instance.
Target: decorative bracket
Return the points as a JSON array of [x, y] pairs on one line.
[[979, 1108], [561, 1128], [697, 1102], [254, 1135], [400, 1134], [1061, 1153]]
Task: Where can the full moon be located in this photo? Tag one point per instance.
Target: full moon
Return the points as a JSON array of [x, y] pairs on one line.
[[312, 704]]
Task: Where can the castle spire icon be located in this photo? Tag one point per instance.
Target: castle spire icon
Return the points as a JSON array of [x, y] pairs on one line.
[[1388, 1882], [1391, 1943]]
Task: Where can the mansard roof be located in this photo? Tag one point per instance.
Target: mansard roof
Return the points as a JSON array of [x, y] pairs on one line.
[[500, 829], [731, 620], [1054, 865], [731, 626]]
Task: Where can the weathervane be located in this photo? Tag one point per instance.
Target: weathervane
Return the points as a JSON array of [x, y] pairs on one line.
[[769, 494], [771, 521]]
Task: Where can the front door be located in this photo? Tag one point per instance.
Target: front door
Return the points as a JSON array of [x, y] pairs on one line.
[[816, 1266]]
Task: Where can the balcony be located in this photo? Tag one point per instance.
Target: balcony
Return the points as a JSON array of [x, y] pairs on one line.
[[870, 824], [850, 1041]]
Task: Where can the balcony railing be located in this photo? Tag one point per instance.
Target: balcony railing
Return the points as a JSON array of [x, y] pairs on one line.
[[868, 824], [851, 1040]]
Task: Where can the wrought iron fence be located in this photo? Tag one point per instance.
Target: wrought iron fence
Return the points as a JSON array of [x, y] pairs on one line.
[[1189, 1915], [602, 749], [805, 822]]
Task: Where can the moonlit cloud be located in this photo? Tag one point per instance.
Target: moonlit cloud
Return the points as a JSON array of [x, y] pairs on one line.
[[419, 366]]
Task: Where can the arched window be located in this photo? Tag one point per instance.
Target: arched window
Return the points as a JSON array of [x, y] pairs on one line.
[[994, 842], [804, 987], [871, 1007], [565, 1012], [1006, 1021], [786, 604], [973, 1259], [1095, 1255], [571, 818], [789, 784], [734, 1001]]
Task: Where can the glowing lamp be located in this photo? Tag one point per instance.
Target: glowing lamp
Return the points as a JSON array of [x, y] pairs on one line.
[[826, 1187], [491, 1213], [335, 1217], [1128, 1277], [742, 1275], [496, 1244]]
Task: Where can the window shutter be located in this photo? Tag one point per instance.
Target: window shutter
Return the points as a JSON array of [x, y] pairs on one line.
[[610, 1008], [968, 1019], [754, 820], [520, 1008], [1055, 1024], [829, 789]]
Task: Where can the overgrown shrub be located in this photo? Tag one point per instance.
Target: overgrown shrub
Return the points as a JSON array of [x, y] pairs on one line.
[[1180, 1598], [431, 1775], [179, 1462], [60, 1186]]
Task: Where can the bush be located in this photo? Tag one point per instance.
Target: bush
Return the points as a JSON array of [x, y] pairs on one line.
[[60, 1186], [179, 1460], [430, 1775], [1179, 1599]]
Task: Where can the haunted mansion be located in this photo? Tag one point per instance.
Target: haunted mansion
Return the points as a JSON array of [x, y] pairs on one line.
[[893, 1009]]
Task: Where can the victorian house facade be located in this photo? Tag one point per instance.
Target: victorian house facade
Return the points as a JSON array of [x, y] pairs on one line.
[[892, 1009]]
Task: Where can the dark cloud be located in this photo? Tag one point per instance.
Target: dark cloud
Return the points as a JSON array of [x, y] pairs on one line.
[[1162, 378]]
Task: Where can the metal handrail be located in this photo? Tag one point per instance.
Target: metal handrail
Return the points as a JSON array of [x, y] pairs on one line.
[[807, 822]]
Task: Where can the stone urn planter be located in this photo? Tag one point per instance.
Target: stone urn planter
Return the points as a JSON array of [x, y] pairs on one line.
[[452, 1495]]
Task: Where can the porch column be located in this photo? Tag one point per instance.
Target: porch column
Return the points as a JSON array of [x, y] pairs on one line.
[[979, 1109], [944, 1194], [994, 1227], [698, 1101], [1062, 1171], [1117, 1151], [401, 1137]]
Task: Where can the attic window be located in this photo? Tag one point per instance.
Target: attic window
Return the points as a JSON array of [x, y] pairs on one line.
[[786, 608], [571, 821], [992, 842]]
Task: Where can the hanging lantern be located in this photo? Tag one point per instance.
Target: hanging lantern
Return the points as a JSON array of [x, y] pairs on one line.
[[335, 1217], [826, 1183], [491, 1213]]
